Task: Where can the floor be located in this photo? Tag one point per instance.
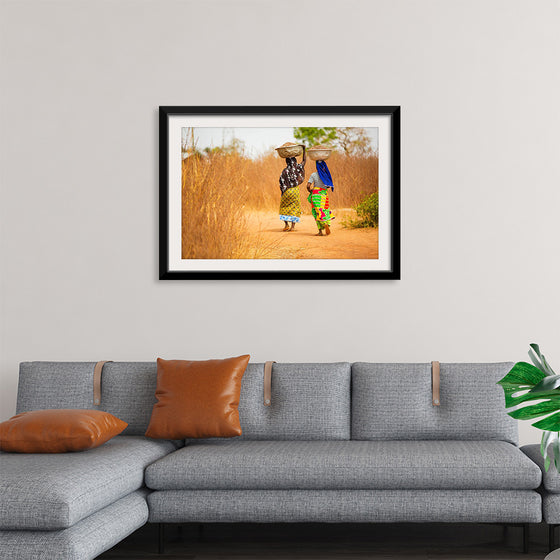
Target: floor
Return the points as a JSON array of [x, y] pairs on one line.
[[333, 541]]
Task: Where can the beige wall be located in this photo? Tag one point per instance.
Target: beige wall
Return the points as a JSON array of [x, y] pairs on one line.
[[81, 81]]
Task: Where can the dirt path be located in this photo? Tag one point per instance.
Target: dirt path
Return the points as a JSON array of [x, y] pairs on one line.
[[269, 241]]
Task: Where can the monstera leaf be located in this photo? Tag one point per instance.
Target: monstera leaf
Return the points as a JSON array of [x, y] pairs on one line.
[[526, 383]]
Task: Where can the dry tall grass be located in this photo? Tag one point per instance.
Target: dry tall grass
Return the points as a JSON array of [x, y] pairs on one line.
[[213, 217], [354, 178], [218, 191]]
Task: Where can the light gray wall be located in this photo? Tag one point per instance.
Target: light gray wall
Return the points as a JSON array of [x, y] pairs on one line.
[[479, 86]]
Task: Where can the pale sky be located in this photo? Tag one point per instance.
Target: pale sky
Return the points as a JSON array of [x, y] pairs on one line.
[[257, 140]]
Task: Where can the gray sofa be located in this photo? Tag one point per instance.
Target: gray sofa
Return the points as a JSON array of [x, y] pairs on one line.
[[550, 491], [340, 442]]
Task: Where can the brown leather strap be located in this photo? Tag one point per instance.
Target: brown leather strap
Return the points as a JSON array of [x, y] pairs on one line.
[[268, 383], [97, 381], [435, 383]]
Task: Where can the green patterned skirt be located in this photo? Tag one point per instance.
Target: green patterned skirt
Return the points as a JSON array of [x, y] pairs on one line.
[[320, 207]]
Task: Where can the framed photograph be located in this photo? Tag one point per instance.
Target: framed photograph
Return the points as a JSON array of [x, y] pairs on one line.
[[279, 192]]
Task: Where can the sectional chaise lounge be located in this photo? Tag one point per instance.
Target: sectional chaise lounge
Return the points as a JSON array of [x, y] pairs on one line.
[[340, 442]]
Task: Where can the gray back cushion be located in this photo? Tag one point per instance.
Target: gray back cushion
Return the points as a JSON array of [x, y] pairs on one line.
[[44, 385], [127, 389], [309, 402], [394, 401]]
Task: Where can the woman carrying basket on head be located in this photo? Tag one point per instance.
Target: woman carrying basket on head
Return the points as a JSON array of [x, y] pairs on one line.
[[318, 186], [292, 176]]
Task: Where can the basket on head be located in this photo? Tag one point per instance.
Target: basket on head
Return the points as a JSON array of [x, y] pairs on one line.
[[319, 153], [289, 149]]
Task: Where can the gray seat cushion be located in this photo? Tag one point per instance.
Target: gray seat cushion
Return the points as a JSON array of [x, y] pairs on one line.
[[85, 540], [551, 508], [56, 490], [345, 465], [550, 489], [550, 478]]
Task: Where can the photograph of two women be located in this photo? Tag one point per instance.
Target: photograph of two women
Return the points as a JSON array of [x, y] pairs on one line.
[[279, 193]]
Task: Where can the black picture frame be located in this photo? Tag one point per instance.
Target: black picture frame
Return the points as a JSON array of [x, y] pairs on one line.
[[393, 272]]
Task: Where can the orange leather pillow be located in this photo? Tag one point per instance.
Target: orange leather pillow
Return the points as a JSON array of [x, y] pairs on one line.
[[197, 399], [58, 431]]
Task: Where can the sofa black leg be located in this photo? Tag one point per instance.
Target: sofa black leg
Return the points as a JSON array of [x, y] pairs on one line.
[[161, 538], [525, 538], [551, 535]]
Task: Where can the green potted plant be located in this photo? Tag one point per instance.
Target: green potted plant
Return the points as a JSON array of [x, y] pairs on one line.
[[526, 383]]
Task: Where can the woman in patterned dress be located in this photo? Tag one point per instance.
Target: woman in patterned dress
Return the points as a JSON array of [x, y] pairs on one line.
[[292, 176], [318, 187]]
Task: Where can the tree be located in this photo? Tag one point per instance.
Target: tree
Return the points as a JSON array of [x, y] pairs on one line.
[[312, 136], [353, 141], [235, 146]]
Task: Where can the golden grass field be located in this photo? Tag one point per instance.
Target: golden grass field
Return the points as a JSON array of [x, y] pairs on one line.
[[223, 192]]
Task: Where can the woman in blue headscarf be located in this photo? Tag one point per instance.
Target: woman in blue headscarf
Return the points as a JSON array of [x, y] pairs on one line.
[[318, 186]]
